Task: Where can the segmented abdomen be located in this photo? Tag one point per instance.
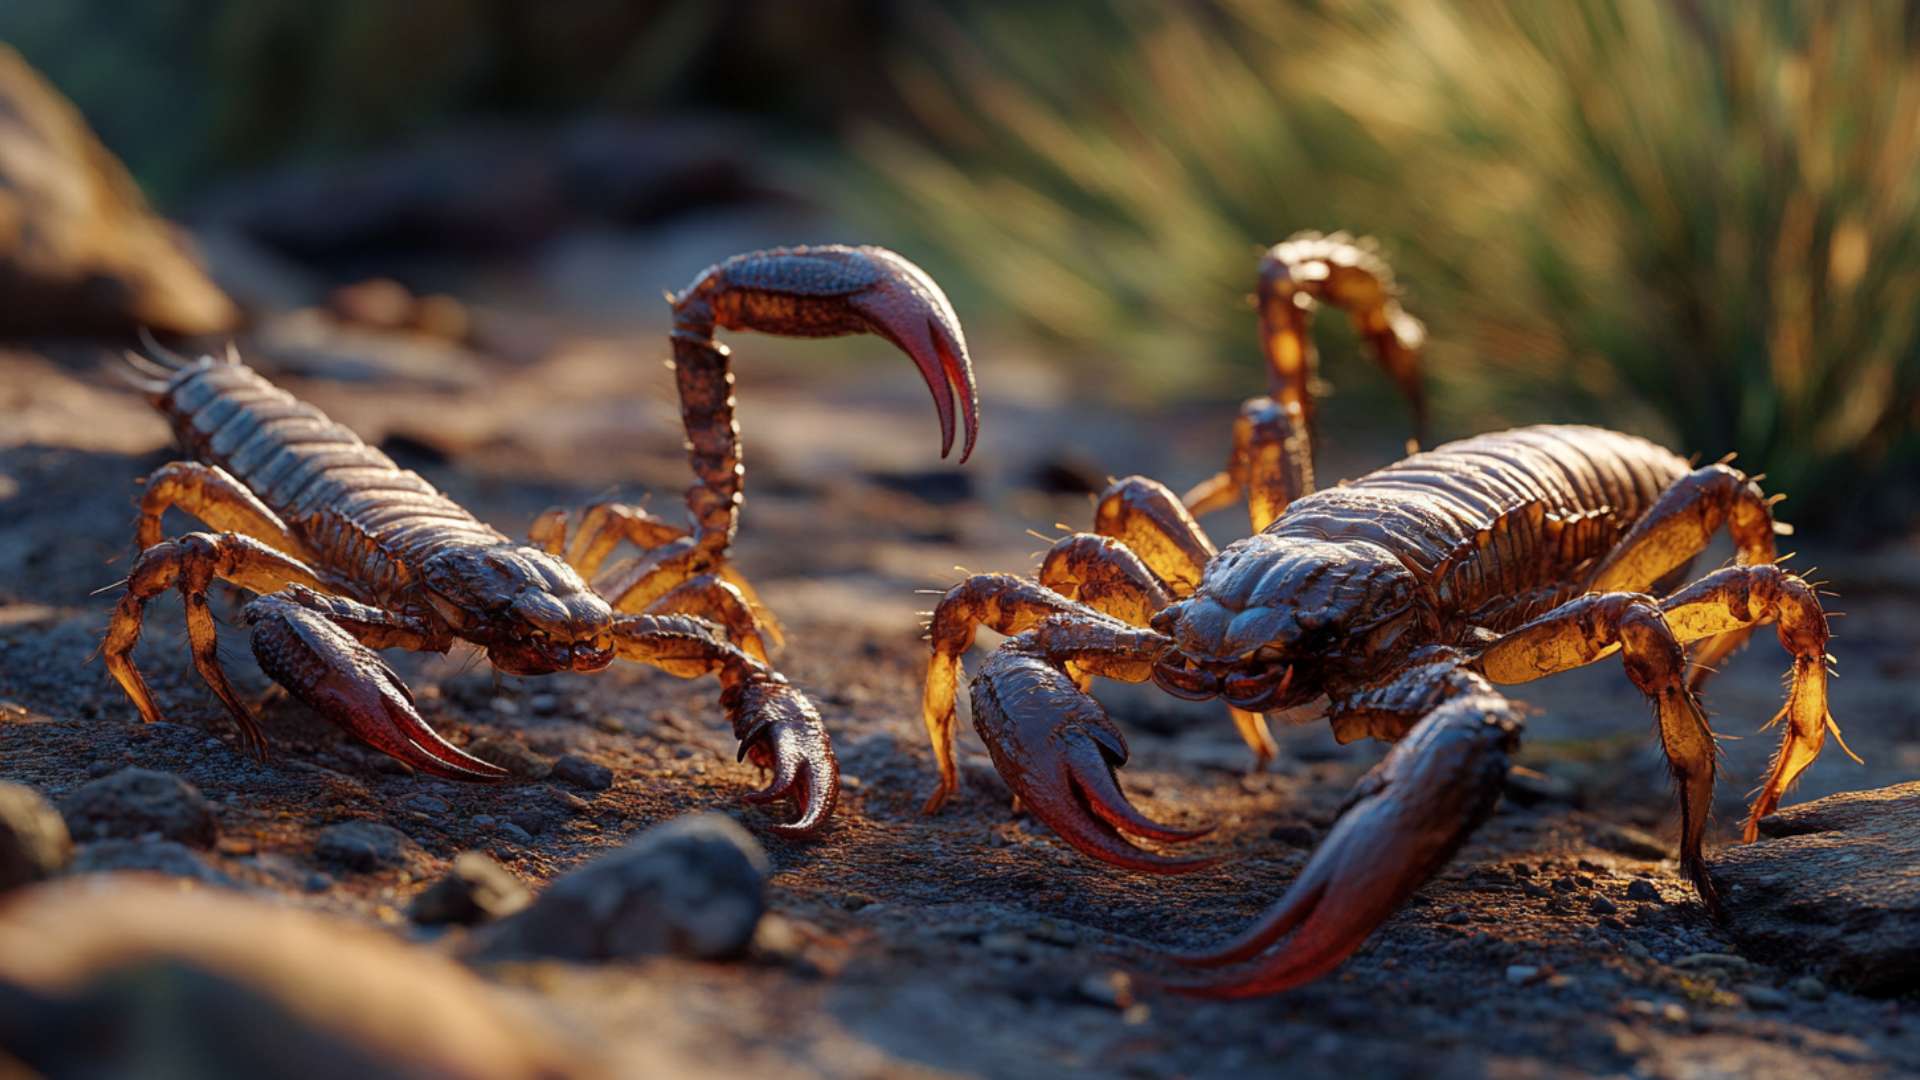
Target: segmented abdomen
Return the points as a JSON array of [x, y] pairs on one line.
[[1498, 525], [356, 511]]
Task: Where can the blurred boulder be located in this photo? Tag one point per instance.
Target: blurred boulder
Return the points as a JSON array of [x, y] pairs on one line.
[[34, 844], [150, 856], [695, 886], [80, 252], [1833, 887], [133, 978], [475, 890], [138, 802]]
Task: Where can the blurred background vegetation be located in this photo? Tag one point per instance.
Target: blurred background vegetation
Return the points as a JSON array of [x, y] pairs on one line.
[[1695, 219]]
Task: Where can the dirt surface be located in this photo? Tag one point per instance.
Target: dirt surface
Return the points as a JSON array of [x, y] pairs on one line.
[[971, 942]]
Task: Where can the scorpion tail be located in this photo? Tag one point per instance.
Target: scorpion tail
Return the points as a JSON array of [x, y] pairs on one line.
[[1403, 822]]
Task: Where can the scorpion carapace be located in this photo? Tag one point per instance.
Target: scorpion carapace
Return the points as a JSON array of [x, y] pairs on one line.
[[1399, 599], [350, 554]]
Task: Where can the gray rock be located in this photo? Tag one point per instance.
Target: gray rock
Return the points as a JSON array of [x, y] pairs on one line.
[[476, 890], [583, 773], [139, 802], [695, 886], [34, 844], [150, 856], [364, 846], [1833, 888]]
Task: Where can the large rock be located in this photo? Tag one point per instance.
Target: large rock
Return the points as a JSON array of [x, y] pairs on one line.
[[1833, 887], [125, 977], [79, 250], [695, 886], [34, 844], [137, 802]]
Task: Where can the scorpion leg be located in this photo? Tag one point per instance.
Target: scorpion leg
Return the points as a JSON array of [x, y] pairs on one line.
[[1590, 627], [191, 563], [1403, 821], [1001, 602], [1271, 464], [1743, 597], [1103, 573], [777, 726], [803, 292], [1677, 528], [637, 584], [212, 495], [321, 649], [1056, 747], [1154, 525]]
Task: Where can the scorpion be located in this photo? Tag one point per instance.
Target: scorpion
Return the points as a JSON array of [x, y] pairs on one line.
[[347, 553], [1399, 600]]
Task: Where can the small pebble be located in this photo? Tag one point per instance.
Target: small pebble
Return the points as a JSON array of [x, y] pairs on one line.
[[137, 802], [425, 804], [1602, 906], [475, 890], [515, 833], [318, 882], [543, 704], [582, 773], [1534, 890], [1808, 988], [1763, 997], [1522, 974], [1564, 885], [483, 821], [695, 886], [1642, 889]]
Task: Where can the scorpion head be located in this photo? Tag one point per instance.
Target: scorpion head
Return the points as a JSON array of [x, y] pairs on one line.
[[530, 610], [1274, 613]]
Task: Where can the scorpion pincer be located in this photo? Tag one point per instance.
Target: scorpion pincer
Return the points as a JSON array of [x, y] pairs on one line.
[[349, 554], [1399, 599]]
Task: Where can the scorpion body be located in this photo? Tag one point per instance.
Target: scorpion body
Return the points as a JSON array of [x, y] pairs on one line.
[[1399, 600], [349, 553]]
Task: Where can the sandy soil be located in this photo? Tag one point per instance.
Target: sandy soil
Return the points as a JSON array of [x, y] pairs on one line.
[[971, 942]]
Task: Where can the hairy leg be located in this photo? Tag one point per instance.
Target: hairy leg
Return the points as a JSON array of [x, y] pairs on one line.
[[670, 563], [212, 495], [777, 726], [1104, 574], [1589, 627], [1739, 598], [1678, 527], [190, 564], [1001, 602]]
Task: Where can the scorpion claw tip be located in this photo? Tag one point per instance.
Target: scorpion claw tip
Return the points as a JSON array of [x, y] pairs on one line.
[[911, 311], [1408, 817]]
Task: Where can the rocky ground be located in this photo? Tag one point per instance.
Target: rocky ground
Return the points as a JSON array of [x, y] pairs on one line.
[[971, 942]]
